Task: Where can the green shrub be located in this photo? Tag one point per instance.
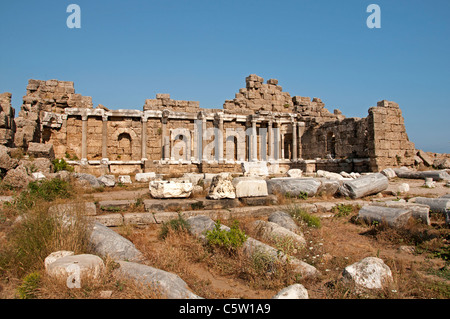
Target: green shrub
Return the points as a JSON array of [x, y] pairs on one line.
[[61, 165], [29, 286], [179, 224], [230, 240], [45, 190]]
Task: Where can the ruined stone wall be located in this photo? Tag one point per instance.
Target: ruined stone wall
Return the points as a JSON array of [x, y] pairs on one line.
[[389, 145], [154, 143], [44, 96], [338, 139], [7, 125], [124, 139]]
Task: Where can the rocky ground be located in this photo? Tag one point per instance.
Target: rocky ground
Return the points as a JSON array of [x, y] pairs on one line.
[[412, 259]]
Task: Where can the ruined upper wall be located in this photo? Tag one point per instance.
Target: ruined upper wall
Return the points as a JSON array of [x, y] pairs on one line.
[[163, 102], [269, 96], [7, 126]]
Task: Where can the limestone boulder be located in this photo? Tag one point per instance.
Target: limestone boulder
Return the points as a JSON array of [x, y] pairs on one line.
[[389, 173], [90, 179], [275, 232], [56, 255], [250, 187], [284, 220], [295, 291], [369, 273], [222, 187], [329, 175], [443, 163], [169, 285], [18, 177], [6, 162], [106, 242], [170, 189]]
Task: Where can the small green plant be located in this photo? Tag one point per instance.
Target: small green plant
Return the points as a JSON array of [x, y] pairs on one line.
[[303, 195], [197, 206], [178, 224], [61, 165], [29, 286], [230, 240], [342, 210], [302, 216]]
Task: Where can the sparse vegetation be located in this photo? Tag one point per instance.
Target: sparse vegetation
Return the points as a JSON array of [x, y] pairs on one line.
[[61, 165], [176, 225], [230, 240]]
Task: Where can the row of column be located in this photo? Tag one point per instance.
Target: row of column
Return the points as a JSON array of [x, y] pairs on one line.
[[200, 137]]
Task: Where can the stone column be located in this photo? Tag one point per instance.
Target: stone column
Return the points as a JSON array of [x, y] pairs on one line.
[[105, 159], [301, 130], [279, 142], [204, 139], [270, 149], [144, 120], [84, 119], [220, 139], [165, 140], [294, 140], [254, 143]]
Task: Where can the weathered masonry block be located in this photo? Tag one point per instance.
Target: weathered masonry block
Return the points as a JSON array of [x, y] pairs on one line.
[[262, 124]]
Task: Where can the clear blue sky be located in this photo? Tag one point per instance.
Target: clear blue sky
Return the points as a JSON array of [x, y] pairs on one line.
[[127, 51]]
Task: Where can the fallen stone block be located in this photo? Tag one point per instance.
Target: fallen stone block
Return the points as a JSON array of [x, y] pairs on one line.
[[169, 285], [255, 169], [394, 217], [165, 189], [119, 204], [91, 179], [110, 220], [41, 150], [139, 218], [364, 186], [418, 211], [145, 177], [437, 205], [329, 175], [259, 201], [106, 242], [438, 175], [329, 187], [295, 173], [76, 267], [293, 186], [249, 187], [425, 157], [124, 179], [107, 180]]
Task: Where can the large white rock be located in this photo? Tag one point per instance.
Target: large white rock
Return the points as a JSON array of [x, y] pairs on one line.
[[222, 187], [389, 173], [275, 232], [250, 187], [107, 180], [369, 273], [295, 291], [145, 177], [169, 189], [37, 176], [56, 255]]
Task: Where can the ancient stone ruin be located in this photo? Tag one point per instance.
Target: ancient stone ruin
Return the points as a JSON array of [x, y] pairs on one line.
[[261, 127]]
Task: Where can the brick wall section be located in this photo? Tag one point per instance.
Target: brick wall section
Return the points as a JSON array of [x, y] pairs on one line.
[[389, 145]]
